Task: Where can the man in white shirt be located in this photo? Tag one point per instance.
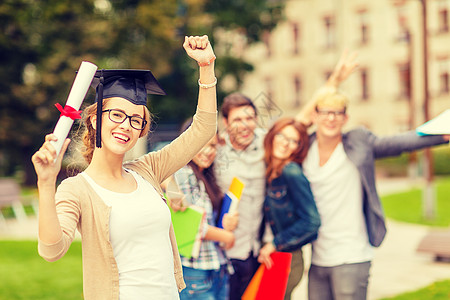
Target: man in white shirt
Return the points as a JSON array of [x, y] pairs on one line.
[[242, 156], [341, 171]]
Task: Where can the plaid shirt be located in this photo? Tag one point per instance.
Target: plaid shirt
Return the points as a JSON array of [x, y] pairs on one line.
[[211, 256]]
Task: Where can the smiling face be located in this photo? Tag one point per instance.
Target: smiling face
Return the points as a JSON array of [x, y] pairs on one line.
[[240, 126], [205, 157], [330, 114], [330, 120], [285, 142], [119, 137]]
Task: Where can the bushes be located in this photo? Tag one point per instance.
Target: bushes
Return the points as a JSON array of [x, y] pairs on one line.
[[398, 166]]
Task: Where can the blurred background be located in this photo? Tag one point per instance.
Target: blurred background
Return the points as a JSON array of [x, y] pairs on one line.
[[42, 44], [276, 52]]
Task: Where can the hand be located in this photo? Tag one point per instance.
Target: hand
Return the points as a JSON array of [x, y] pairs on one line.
[[199, 48], [446, 137], [176, 201], [230, 221], [45, 165], [177, 206], [345, 66], [228, 243], [264, 255]]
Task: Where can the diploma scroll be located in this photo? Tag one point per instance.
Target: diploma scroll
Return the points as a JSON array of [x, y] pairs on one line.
[[80, 86]]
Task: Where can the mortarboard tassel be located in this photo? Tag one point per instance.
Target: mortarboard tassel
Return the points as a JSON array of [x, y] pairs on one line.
[[98, 136]]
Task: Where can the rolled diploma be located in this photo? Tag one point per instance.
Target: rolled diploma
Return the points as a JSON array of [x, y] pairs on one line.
[[77, 93]]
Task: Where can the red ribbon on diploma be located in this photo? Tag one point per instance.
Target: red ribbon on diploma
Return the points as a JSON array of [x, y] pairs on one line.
[[69, 111]]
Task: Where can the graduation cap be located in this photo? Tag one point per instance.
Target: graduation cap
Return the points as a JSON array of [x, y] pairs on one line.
[[132, 85]]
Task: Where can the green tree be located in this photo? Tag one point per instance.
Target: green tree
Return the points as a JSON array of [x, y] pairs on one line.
[[43, 42], [248, 19]]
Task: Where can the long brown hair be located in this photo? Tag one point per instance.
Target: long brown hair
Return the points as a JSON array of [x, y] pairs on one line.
[[209, 179], [274, 170], [206, 176], [88, 135]]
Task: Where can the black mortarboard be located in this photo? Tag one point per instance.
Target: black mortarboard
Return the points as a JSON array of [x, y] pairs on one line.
[[132, 85]]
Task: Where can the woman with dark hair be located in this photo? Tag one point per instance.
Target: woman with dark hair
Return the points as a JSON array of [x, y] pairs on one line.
[[289, 206], [206, 276]]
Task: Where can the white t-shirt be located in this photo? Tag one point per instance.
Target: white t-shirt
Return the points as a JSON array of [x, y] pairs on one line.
[[139, 233], [247, 165], [337, 190]]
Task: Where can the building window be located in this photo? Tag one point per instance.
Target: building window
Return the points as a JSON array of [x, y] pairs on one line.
[[330, 31], [327, 74], [266, 40], [443, 20], [403, 34], [404, 72], [295, 37], [297, 90], [269, 89], [363, 27], [444, 76], [443, 82], [364, 84]]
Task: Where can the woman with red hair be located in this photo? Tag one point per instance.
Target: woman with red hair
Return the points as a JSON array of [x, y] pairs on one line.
[[289, 206]]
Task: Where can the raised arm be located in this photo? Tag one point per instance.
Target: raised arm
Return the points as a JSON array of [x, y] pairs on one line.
[[199, 48], [179, 152], [346, 65]]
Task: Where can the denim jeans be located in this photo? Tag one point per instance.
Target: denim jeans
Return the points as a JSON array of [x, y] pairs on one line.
[[243, 274], [343, 282], [205, 284]]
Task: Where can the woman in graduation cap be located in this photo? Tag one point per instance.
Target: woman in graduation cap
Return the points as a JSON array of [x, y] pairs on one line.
[[128, 244]]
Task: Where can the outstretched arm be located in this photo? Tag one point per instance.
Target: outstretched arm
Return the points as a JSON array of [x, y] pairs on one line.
[[199, 48], [346, 65]]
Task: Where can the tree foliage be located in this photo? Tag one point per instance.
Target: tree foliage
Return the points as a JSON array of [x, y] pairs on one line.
[[250, 17], [43, 42]]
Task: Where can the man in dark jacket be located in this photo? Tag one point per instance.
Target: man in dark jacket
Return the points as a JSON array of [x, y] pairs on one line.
[[341, 171]]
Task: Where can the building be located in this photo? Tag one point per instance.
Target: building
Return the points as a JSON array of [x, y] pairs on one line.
[[387, 91]]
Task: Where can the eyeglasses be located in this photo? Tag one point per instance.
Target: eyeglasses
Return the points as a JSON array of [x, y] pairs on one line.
[[337, 114], [118, 116], [291, 142]]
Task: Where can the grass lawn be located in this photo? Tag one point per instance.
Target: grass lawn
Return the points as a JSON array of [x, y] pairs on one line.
[[407, 206], [437, 291], [25, 275]]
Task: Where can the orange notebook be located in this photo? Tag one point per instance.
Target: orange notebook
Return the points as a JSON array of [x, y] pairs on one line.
[[270, 284]]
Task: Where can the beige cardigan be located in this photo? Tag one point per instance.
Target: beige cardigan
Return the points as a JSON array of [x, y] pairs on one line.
[[79, 207]]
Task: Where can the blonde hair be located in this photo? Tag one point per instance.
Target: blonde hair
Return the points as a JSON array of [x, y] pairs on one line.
[[331, 97]]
